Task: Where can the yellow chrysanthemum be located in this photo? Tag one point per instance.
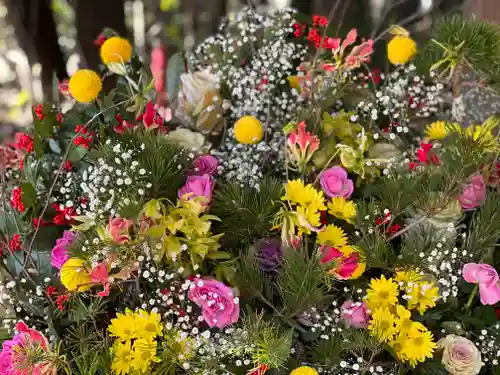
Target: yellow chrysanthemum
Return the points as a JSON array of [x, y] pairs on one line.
[[308, 219], [382, 293], [401, 49], [437, 130], [124, 326], [382, 324], [342, 209], [404, 324], [304, 370], [419, 346], [75, 275], [408, 276], [149, 324], [85, 85], [333, 236], [422, 295], [305, 195], [248, 130], [116, 50], [144, 353], [122, 357]]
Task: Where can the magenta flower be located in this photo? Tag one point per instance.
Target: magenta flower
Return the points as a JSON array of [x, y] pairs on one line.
[[355, 314], [60, 251], [302, 145], [335, 183], [220, 308], [487, 278], [198, 186], [205, 164], [330, 254], [474, 193], [118, 230]]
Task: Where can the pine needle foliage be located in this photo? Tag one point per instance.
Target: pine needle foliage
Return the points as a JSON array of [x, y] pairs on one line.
[[299, 281], [476, 42], [379, 253], [421, 239], [327, 352], [246, 214], [249, 275], [83, 310]]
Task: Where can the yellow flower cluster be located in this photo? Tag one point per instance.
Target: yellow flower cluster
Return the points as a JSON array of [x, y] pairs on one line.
[[391, 322], [342, 209], [135, 346]]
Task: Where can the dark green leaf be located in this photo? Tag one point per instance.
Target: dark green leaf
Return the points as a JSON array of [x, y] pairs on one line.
[[77, 153], [38, 145], [28, 195]]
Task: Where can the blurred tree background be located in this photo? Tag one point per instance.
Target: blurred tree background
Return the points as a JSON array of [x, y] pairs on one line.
[[41, 40]]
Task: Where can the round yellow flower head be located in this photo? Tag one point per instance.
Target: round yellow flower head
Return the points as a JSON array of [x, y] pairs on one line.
[[74, 276], [116, 50], [85, 85], [401, 48], [304, 370], [248, 130]]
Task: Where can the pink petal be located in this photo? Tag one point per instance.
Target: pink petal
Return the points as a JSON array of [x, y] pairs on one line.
[[350, 38], [489, 295], [470, 272]]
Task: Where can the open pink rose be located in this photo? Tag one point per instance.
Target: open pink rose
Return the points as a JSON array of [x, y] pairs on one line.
[[355, 314], [335, 183], [118, 230], [487, 278], [198, 186], [474, 193], [205, 164], [219, 306]]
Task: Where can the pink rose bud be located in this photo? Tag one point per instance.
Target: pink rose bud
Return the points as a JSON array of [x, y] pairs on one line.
[[205, 164], [118, 230], [487, 278], [355, 314], [198, 186], [474, 193], [335, 183], [220, 308]]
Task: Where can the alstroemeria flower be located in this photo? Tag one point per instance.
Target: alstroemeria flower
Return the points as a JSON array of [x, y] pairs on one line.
[[302, 145]]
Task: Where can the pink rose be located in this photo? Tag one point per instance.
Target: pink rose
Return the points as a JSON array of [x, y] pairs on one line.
[[60, 251], [335, 183], [118, 230], [474, 193], [198, 186], [205, 164], [355, 314], [487, 278], [219, 306]]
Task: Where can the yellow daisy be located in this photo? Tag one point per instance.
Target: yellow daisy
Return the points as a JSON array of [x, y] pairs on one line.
[[149, 324], [382, 293], [382, 324], [342, 209], [408, 276], [144, 353], [333, 236], [423, 296], [401, 49], [419, 346], [404, 324], [122, 357], [124, 326], [308, 219], [299, 193], [437, 130], [75, 275]]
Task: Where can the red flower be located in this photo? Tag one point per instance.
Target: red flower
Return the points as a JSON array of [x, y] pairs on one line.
[[323, 217], [15, 243], [39, 111], [67, 166], [319, 20], [376, 76], [16, 200], [393, 229], [426, 156], [299, 29], [59, 118], [39, 222], [99, 41], [24, 142], [82, 141], [21, 165], [61, 301], [51, 290]]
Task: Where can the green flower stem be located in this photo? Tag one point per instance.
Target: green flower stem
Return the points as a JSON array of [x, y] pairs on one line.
[[471, 297]]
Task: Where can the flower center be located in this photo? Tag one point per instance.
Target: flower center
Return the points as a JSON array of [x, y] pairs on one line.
[[418, 341]]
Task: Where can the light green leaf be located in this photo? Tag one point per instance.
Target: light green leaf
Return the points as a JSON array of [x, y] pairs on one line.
[[218, 255], [167, 5], [175, 67]]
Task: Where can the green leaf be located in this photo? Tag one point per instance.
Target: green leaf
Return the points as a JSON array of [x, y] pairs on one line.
[[54, 146], [28, 195], [176, 67], [38, 145], [167, 5], [219, 255], [77, 153], [46, 126], [55, 88]]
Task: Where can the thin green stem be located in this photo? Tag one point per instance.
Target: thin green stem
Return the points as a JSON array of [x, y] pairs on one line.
[[471, 297]]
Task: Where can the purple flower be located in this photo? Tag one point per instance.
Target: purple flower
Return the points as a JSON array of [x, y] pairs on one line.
[[60, 251], [474, 193], [335, 183], [198, 186], [205, 164], [269, 254]]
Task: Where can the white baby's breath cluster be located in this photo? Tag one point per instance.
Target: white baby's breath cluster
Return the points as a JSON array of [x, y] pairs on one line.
[[357, 366], [487, 343]]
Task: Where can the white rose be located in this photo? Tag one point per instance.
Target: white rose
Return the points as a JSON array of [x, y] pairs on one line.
[[460, 355], [187, 139], [199, 102]]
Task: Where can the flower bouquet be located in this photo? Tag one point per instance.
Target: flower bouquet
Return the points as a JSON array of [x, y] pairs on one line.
[[266, 203]]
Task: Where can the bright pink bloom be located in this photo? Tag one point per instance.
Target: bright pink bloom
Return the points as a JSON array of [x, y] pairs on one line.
[[335, 182], [118, 229], [158, 66], [302, 144], [198, 186], [220, 308], [426, 156], [205, 164], [359, 54], [474, 193], [60, 253], [349, 39], [100, 275], [329, 254], [355, 314], [487, 278]]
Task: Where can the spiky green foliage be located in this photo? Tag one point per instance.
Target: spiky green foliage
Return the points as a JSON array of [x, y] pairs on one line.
[[300, 281], [88, 309], [272, 346], [327, 352], [477, 44], [249, 275], [378, 251], [246, 214]]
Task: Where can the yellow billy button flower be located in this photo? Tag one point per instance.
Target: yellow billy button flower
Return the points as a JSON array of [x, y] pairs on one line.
[[116, 50], [85, 85], [304, 370], [401, 48], [75, 276], [248, 130]]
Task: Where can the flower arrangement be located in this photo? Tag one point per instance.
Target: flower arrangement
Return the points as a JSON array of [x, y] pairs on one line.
[[290, 211]]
